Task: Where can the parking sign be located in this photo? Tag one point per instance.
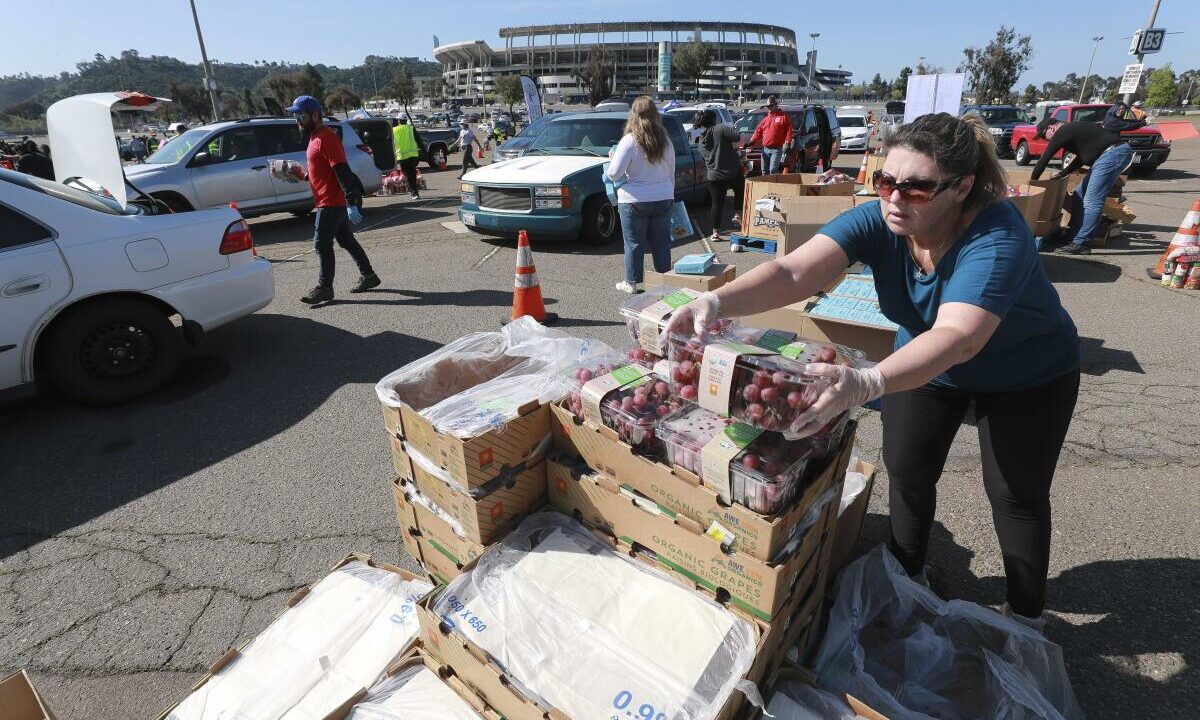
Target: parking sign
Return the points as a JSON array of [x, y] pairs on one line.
[[1147, 41], [1131, 78]]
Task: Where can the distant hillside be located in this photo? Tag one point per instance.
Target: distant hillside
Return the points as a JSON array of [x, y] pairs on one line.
[[156, 74]]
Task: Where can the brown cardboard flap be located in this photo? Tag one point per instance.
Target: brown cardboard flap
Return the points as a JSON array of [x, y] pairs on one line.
[[224, 660], [298, 596], [19, 700]]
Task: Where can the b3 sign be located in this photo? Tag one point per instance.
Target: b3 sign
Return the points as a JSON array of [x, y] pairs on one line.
[[1147, 41]]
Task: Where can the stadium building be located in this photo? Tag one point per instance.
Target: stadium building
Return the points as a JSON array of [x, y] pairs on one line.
[[750, 60]]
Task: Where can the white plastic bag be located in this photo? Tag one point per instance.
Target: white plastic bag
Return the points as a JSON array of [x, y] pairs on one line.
[[594, 633], [855, 483], [449, 370], [800, 701], [415, 693], [902, 650]]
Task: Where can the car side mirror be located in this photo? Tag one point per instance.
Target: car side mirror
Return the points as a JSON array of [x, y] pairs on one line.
[[201, 158]]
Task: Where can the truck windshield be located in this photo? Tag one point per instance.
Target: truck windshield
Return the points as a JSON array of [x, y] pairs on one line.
[[592, 136], [995, 115], [1089, 114]]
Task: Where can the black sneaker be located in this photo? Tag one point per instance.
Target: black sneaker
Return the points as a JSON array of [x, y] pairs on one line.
[[319, 294], [365, 283], [1074, 248]]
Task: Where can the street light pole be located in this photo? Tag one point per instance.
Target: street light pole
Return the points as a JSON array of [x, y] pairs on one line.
[[1149, 24], [208, 78], [812, 62], [1088, 76]]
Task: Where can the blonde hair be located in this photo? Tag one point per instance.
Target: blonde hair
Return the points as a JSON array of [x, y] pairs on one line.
[[645, 125], [960, 146]]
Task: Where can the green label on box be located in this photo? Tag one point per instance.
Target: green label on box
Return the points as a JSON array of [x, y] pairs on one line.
[[774, 340], [792, 351], [499, 405], [679, 298], [628, 373], [742, 434]]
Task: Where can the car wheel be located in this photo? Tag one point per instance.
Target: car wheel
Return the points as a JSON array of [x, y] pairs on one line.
[[601, 222], [176, 202], [1142, 170], [112, 351], [436, 157], [1021, 155]]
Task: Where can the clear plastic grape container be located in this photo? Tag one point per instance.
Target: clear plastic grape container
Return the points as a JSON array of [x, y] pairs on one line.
[[632, 310], [634, 411], [764, 477], [767, 391], [581, 373]]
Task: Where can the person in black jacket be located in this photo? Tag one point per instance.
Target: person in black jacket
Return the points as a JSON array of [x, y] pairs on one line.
[[718, 147], [1101, 148], [33, 162]]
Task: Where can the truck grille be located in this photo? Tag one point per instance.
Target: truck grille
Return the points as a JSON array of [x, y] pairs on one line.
[[505, 198]]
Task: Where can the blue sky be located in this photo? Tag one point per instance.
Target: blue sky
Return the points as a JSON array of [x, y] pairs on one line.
[[865, 37]]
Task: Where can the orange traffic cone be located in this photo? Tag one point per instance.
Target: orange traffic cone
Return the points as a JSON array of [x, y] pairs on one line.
[[527, 293], [785, 171], [862, 169], [441, 158], [479, 153], [1188, 234]]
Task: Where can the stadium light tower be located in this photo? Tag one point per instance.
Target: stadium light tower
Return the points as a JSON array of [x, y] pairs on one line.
[[812, 64]]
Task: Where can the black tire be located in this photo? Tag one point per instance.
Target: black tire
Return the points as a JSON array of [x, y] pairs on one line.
[[432, 156], [1142, 170], [173, 201], [601, 223], [109, 352], [301, 213], [1021, 154]]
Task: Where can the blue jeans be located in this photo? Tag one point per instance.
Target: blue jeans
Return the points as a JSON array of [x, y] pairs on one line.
[[772, 160], [332, 223], [646, 224], [1087, 203]]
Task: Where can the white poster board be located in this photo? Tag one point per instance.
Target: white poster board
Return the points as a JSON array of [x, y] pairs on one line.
[[1131, 78], [933, 94]]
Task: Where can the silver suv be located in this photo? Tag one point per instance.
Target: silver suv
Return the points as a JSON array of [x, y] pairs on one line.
[[214, 165]]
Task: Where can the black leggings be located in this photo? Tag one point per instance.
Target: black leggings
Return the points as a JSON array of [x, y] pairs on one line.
[[717, 190], [1020, 436]]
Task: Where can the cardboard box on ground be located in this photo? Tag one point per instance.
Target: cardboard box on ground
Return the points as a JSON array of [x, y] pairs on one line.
[[770, 224], [19, 700], [714, 277]]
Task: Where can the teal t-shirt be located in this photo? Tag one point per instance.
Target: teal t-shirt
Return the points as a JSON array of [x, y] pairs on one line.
[[995, 266]]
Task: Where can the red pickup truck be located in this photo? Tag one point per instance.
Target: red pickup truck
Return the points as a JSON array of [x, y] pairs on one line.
[[1149, 148]]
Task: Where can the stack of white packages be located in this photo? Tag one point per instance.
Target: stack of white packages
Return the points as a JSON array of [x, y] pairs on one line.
[[415, 693], [594, 633], [336, 641]]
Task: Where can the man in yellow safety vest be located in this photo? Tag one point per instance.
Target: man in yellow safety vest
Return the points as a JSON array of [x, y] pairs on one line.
[[408, 153]]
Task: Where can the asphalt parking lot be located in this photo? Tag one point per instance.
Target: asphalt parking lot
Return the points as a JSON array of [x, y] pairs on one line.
[[138, 544]]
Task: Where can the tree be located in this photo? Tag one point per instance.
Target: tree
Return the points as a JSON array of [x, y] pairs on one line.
[[993, 69], [597, 75], [231, 105], [29, 110], [342, 98], [1162, 91], [284, 88], [878, 87], [402, 88], [192, 101], [1030, 95], [923, 69], [900, 87], [248, 101], [310, 82], [693, 60], [508, 87]]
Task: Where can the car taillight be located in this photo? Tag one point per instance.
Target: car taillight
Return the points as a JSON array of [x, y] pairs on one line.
[[237, 238], [366, 148]]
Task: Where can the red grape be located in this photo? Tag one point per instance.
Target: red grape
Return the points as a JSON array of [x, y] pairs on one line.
[[827, 355], [688, 392], [795, 399], [750, 461], [779, 377], [754, 410], [762, 378], [770, 394], [751, 393]]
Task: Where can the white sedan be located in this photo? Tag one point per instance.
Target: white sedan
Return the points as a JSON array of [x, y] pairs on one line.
[[88, 287]]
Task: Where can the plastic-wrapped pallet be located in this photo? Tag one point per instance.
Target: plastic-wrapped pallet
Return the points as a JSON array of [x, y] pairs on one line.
[[338, 639], [591, 632], [795, 700], [415, 693]]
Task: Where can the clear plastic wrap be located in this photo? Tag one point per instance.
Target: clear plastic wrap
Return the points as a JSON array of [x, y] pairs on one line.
[[337, 640], [811, 515], [796, 700], [452, 368], [414, 693], [594, 633], [898, 647], [645, 325], [478, 491]]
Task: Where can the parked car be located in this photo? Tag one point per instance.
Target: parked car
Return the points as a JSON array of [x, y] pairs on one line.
[[887, 124], [1000, 119], [376, 133], [617, 103], [88, 287], [513, 146], [856, 133], [224, 162], [686, 115], [556, 188], [1149, 148], [806, 122]]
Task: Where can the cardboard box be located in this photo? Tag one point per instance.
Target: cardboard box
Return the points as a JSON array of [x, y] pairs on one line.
[[401, 462], [1050, 213], [475, 462], [486, 518], [711, 279], [849, 526], [788, 673], [406, 516], [757, 587], [233, 653], [874, 162], [805, 216], [444, 553], [779, 188], [875, 342], [679, 491], [1029, 203], [391, 421], [20, 701], [477, 669]]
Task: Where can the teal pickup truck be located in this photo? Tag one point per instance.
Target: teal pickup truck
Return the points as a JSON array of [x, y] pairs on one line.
[[555, 189]]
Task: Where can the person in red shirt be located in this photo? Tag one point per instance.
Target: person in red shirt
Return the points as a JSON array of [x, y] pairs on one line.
[[775, 133], [336, 194]]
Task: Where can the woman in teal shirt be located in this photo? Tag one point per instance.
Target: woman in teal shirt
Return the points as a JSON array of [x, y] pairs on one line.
[[956, 268]]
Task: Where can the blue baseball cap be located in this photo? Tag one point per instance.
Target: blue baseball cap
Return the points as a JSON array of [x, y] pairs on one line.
[[305, 103]]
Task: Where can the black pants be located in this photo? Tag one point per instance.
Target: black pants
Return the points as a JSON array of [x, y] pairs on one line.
[[408, 166], [717, 190], [1020, 436], [468, 159], [333, 223]]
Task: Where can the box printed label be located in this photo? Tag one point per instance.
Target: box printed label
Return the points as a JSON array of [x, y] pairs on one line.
[[650, 319], [594, 390]]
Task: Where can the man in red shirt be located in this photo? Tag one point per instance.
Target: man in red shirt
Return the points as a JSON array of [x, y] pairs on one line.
[[336, 194], [775, 133]]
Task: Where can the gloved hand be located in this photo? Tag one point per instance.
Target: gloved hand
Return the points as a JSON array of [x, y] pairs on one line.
[[850, 388], [695, 317], [355, 215]]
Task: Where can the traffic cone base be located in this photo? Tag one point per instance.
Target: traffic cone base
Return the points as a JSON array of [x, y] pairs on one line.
[[527, 291], [862, 169], [1188, 234]]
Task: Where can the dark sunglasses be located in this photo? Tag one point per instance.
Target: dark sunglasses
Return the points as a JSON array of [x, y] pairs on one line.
[[915, 191]]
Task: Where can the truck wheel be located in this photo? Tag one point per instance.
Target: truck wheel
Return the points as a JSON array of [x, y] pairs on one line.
[[1021, 155], [109, 352], [437, 156], [601, 222]]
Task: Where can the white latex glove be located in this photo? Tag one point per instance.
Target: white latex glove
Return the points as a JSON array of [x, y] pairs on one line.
[[849, 388], [695, 317], [355, 215]]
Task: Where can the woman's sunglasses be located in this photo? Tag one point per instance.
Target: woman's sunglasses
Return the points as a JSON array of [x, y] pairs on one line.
[[913, 191]]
